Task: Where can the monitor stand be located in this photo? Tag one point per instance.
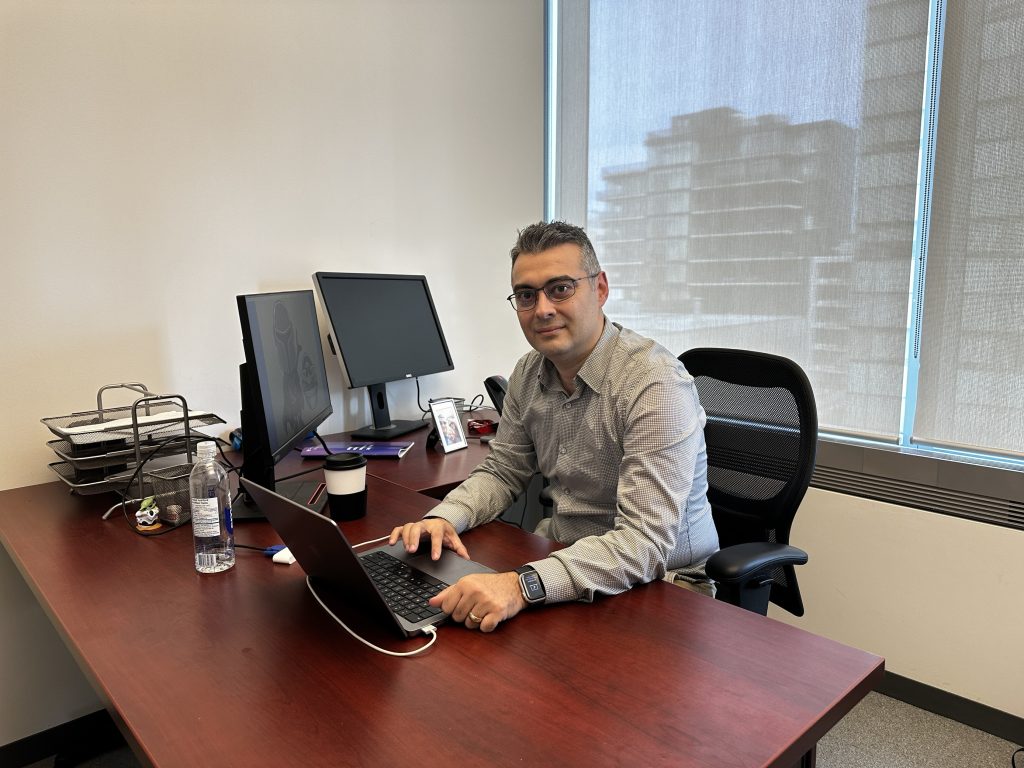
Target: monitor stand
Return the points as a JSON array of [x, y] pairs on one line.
[[383, 428]]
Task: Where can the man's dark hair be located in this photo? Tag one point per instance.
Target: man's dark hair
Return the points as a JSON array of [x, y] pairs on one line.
[[549, 234]]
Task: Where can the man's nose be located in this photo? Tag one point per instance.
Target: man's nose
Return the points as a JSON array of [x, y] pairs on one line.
[[545, 306]]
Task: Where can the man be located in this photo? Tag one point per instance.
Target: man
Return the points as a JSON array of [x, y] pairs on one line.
[[611, 419]]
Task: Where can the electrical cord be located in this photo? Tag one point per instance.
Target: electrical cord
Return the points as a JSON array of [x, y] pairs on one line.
[[324, 444], [166, 528], [424, 411], [146, 460], [432, 631], [371, 541], [1013, 758], [268, 551], [223, 457], [124, 501], [477, 403]]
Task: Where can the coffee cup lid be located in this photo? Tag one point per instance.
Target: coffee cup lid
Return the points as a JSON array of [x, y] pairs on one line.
[[342, 461]]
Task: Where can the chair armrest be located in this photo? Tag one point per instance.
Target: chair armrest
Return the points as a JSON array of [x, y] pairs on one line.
[[743, 562]]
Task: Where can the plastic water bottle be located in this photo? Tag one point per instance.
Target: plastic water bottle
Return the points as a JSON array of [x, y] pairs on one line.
[[212, 530]]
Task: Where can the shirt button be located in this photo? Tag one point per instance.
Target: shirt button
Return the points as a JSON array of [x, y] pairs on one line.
[[563, 450]]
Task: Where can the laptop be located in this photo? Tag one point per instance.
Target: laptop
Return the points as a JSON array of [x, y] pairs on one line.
[[309, 493], [385, 581]]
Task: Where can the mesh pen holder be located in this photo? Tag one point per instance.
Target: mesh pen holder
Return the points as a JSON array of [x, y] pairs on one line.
[[170, 493]]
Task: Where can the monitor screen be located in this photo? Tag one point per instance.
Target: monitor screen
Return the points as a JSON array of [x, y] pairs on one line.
[[387, 329], [284, 381]]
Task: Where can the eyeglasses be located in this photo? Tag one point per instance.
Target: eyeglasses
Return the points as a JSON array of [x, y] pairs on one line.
[[559, 289]]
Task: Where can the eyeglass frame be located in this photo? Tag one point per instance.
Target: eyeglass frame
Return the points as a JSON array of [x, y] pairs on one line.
[[574, 281]]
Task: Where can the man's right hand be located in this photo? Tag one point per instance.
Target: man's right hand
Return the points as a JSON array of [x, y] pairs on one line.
[[440, 532]]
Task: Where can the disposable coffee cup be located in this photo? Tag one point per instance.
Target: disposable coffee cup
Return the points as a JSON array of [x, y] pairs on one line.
[[345, 474]]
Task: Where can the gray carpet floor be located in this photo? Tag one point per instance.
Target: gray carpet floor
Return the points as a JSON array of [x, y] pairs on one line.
[[881, 732]]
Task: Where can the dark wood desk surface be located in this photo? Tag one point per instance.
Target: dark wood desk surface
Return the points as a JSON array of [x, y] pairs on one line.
[[244, 668], [427, 471]]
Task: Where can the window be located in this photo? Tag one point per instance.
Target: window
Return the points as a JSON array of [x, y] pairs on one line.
[[841, 183]]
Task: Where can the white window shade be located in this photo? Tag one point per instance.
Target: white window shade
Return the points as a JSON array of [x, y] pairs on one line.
[[748, 173], [971, 390]]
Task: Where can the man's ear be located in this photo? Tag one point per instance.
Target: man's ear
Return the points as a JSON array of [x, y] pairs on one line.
[[602, 288]]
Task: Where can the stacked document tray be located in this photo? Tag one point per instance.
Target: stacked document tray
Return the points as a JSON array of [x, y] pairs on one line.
[[101, 450]]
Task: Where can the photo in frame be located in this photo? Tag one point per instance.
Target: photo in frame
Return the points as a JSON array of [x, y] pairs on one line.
[[448, 425]]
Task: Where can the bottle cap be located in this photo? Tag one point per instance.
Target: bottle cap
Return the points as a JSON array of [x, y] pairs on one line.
[[207, 449], [343, 461]]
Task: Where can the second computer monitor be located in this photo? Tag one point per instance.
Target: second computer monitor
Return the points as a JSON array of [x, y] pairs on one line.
[[284, 384], [387, 329]]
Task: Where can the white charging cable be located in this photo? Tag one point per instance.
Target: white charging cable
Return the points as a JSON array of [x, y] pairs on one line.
[[371, 541], [432, 631]]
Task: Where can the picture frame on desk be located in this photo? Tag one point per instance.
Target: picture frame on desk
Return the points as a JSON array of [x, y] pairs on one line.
[[447, 426]]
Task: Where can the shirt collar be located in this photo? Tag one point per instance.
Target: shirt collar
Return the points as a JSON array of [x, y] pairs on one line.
[[595, 367]]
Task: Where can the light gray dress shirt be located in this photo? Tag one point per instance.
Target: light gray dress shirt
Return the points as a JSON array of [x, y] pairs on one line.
[[625, 458]]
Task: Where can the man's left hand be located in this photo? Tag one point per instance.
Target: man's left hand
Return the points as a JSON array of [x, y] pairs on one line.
[[482, 600]]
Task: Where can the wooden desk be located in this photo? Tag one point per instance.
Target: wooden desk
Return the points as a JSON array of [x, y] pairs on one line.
[[426, 471], [244, 668]]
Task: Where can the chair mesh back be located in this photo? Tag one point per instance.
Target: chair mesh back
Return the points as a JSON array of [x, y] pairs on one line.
[[753, 438], [761, 433]]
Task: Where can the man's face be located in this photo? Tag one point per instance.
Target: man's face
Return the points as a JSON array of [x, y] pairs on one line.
[[565, 332]]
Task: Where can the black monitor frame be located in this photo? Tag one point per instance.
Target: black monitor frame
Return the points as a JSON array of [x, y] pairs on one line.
[[262, 444], [395, 316]]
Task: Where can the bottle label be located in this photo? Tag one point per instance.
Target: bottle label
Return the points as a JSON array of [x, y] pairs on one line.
[[205, 518]]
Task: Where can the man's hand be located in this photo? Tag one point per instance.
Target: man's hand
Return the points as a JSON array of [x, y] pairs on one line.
[[440, 532], [482, 600]]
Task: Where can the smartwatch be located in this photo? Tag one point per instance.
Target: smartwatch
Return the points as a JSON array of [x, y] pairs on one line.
[[531, 585]]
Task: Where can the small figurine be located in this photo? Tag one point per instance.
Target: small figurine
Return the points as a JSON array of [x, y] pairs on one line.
[[145, 518]]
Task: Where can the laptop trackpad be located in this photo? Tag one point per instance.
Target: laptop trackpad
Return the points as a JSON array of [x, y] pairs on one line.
[[449, 569]]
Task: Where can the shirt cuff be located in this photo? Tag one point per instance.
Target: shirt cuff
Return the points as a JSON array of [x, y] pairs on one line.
[[460, 520], [558, 587]]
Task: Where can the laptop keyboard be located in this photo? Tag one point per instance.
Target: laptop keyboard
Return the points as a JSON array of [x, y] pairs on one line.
[[405, 589]]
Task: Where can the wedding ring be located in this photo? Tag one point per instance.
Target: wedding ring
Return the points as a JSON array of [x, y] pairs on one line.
[[474, 618]]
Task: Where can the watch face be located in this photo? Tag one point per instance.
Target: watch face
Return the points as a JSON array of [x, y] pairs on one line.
[[533, 589]]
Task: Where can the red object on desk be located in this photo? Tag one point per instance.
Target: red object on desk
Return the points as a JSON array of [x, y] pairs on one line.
[[481, 426]]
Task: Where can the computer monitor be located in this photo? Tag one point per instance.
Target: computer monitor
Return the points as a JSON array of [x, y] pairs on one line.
[[284, 385], [386, 329]]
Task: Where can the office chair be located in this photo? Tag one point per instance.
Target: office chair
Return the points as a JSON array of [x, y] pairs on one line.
[[761, 435], [496, 387]]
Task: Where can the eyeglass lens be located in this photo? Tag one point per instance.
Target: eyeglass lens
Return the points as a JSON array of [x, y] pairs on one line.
[[559, 290]]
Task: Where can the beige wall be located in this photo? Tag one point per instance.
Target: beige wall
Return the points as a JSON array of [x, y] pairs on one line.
[[939, 597], [158, 158]]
